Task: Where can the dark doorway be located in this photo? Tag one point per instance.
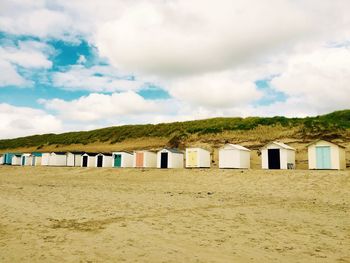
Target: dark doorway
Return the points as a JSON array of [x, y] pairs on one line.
[[164, 160], [99, 161], [85, 161], [274, 159]]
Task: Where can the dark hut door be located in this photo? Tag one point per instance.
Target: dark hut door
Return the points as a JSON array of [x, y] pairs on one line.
[[274, 159], [85, 161], [99, 161], [164, 160]]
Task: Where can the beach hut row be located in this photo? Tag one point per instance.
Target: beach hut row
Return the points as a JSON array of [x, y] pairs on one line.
[[275, 155]]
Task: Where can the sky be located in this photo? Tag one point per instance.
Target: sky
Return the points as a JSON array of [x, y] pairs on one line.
[[84, 64]]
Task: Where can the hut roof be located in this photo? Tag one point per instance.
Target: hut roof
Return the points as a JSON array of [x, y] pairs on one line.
[[235, 146], [280, 144], [59, 153], [342, 146], [173, 150]]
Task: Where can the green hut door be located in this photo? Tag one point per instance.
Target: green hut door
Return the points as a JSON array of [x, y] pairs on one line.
[[323, 157], [118, 160]]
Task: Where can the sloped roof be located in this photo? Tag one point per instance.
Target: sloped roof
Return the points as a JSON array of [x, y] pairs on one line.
[[172, 150], [342, 146], [37, 154], [123, 152], [197, 148], [236, 146], [91, 154], [59, 153], [280, 144], [75, 152], [105, 154]]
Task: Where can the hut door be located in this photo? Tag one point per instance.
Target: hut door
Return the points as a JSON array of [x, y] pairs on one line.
[[323, 157], [85, 161], [164, 160], [274, 159], [118, 160], [23, 160], [192, 159], [139, 159], [99, 161]]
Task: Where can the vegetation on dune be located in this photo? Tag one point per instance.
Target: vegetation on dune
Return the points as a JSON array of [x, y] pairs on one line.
[[330, 125]]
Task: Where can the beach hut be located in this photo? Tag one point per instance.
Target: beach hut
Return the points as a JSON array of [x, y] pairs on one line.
[[45, 159], [8, 158], [170, 158], [26, 159], [16, 159], [74, 159], [58, 159], [277, 155], [36, 158], [88, 160], [145, 159], [234, 156], [2, 159], [122, 159], [197, 158], [325, 155], [103, 160]]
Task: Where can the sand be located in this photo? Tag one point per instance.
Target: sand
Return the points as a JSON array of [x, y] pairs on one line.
[[108, 215]]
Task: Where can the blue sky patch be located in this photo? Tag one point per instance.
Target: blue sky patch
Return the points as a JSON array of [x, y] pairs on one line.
[[271, 95]]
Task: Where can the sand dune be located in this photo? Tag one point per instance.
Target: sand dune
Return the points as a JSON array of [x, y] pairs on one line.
[[108, 215]]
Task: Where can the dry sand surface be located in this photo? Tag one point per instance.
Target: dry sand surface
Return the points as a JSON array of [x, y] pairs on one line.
[[108, 215]]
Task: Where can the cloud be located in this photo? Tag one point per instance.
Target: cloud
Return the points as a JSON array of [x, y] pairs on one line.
[[171, 38], [21, 121], [33, 18], [215, 90], [102, 107], [95, 79], [27, 54], [317, 80], [9, 75]]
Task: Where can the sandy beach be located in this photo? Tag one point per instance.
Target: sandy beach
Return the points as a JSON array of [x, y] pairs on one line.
[[109, 215]]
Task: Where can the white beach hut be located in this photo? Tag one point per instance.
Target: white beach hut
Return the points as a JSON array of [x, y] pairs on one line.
[[1, 159], [145, 159], [45, 159], [58, 159], [197, 158], [170, 158], [88, 160], [277, 155], [35, 158], [26, 159], [122, 159], [103, 160], [74, 159], [234, 156], [16, 159], [325, 155]]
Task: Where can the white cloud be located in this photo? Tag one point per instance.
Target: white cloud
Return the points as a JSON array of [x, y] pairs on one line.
[[318, 80], [95, 79], [9, 75], [81, 59], [21, 121], [34, 18], [28, 54], [168, 38], [96, 107], [218, 90]]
